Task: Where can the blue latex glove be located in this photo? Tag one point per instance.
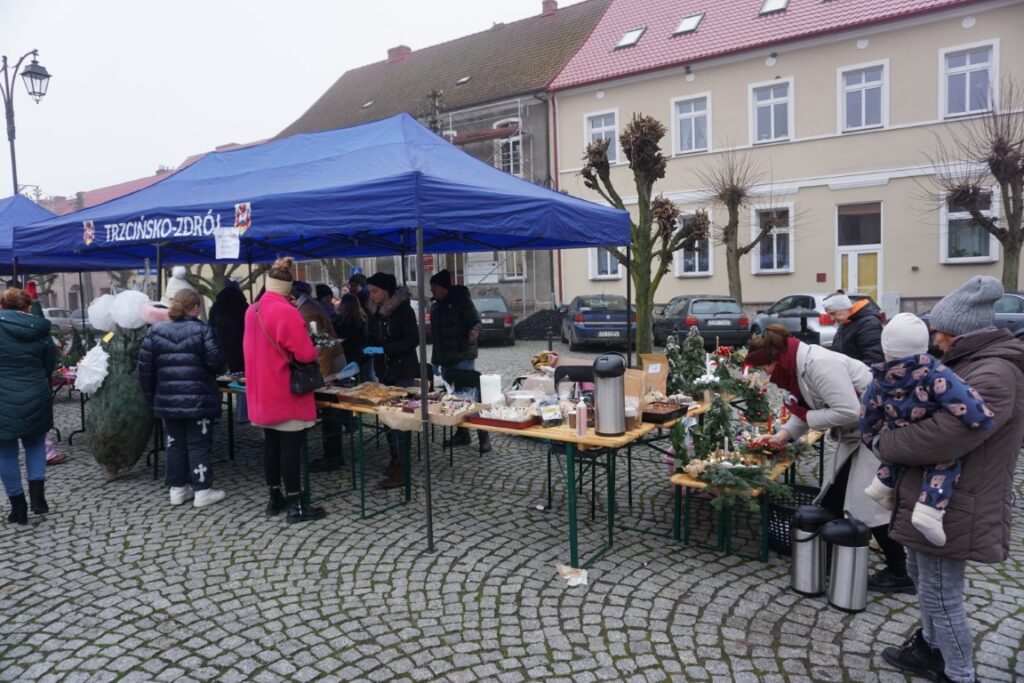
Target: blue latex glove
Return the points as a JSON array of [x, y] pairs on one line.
[[350, 370], [374, 351]]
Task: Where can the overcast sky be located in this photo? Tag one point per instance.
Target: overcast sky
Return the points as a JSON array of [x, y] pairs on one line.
[[142, 83]]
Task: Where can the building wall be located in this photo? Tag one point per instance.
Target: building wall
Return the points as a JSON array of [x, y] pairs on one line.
[[820, 167]]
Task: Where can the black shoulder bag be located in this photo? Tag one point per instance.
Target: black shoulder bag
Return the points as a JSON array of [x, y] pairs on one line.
[[305, 377]]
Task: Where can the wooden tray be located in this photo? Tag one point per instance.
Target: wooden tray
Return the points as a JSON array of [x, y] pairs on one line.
[[530, 422]]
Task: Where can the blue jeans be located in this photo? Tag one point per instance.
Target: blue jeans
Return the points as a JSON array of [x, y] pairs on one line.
[[940, 596], [189, 447], [35, 462]]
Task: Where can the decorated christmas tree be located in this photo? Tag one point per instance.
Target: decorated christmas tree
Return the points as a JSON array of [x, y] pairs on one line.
[[76, 351], [676, 384], [716, 431], [691, 361], [755, 402]]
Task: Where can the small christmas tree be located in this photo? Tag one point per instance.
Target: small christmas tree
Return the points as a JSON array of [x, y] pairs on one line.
[[755, 403], [76, 351], [693, 359], [716, 430], [676, 384]]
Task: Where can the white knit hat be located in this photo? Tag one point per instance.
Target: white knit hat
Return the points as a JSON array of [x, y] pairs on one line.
[[175, 283], [905, 335], [837, 302]]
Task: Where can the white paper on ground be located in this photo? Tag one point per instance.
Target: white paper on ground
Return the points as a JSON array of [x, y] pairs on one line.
[[573, 575]]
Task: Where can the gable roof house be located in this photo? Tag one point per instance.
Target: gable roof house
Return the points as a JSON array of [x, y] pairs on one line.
[[838, 103], [486, 93]]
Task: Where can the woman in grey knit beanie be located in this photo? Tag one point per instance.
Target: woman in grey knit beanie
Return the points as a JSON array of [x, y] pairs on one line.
[[968, 308]]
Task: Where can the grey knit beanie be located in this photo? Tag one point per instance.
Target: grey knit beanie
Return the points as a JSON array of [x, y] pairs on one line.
[[967, 308]]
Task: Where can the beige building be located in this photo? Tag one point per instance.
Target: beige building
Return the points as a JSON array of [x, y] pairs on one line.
[[841, 121]]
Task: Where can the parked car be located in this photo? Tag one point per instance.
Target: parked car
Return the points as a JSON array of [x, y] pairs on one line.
[[1009, 312], [598, 319], [496, 321], [720, 320], [821, 328], [60, 318], [80, 321]]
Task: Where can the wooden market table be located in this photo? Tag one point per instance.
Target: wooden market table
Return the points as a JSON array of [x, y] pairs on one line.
[[723, 542]]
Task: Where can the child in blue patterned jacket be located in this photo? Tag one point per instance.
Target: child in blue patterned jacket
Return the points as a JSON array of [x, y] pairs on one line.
[[910, 386]]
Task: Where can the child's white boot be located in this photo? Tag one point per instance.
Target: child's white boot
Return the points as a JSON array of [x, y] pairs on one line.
[[880, 493], [928, 521]]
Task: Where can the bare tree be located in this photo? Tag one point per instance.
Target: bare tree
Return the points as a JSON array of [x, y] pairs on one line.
[[730, 181], [209, 283], [656, 234], [983, 153]]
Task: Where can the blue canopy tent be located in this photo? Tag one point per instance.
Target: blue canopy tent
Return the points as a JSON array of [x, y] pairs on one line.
[[381, 188]]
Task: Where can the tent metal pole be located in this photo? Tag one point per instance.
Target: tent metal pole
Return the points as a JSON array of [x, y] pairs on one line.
[[159, 273], [81, 299], [249, 262], [424, 384], [14, 268], [629, 307]]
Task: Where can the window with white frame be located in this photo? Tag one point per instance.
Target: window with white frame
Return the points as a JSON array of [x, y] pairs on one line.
[[604, 266], [863, 97], [968, 80], [692, 125], [603, 127], [963, 240], [771, 112], [510, 155], [408, 273], [696, 262], [774, 252], [513, 264]]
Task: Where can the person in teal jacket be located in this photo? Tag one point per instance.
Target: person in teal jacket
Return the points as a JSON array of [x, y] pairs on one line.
[[27, 358]]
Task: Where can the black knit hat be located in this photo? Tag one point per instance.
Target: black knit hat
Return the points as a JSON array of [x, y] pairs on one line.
[[442, 279], [323, 290], [384, 281]]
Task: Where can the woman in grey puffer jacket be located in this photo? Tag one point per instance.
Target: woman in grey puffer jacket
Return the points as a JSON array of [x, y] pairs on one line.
[[178, 366]]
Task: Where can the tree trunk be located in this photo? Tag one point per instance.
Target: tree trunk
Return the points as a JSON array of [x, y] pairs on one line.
[[732, 254], [643, 298], [1011, 265]]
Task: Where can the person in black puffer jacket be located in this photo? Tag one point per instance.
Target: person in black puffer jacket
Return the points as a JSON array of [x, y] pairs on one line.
[[859, 331], [178, 366], [394, 338], [227, 318]]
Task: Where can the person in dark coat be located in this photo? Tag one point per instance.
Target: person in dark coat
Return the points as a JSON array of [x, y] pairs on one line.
[[178, 365], [859, 331], [358, 285], [350, 327], [394, 338], [26, 405], [455, 330], [227, 317], [978, 519]]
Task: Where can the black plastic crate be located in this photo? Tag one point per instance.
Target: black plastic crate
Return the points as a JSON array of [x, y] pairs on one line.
[[780, 517]]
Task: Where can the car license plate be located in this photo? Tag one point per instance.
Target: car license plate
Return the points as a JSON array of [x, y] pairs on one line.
[[608, 333], [719, 323], [487, 320]]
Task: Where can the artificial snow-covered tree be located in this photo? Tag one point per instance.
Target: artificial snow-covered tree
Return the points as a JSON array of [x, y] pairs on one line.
[[692, 359], [716, 430]]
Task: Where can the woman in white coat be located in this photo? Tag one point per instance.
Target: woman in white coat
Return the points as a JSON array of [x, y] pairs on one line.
[[824, 394]]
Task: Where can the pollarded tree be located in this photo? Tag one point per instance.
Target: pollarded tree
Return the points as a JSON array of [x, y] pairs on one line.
[[656, 233], [986, 153], [730, 181]]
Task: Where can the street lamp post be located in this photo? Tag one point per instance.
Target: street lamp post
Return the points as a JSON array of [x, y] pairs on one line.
[[37, 80]]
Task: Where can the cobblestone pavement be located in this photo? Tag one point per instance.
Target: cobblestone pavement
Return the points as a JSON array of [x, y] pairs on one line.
[[115, 584]]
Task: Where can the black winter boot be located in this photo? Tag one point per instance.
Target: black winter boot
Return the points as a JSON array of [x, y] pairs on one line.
[[36, 497], [297, 512], [19, 509], [460, 438], [917, 657], [276, 503], [485, 441]]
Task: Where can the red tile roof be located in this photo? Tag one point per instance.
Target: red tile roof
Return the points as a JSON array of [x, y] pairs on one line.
[[729, 26]]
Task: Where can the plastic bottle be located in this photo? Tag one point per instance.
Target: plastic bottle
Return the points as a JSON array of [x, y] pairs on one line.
[[581, 418]]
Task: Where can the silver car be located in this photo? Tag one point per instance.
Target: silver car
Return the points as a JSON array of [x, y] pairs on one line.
[[59, 318], [821, 325]]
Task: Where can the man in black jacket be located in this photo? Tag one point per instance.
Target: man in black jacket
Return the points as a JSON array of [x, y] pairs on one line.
[[859, 328], [455, 329]]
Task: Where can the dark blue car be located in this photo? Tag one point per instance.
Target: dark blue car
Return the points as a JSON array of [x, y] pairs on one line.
[[596, 319]]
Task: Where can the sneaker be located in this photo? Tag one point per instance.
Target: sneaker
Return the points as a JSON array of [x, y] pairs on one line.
[[297, 513], [917, 657], [208, 497], [887, 582], [179, 494]]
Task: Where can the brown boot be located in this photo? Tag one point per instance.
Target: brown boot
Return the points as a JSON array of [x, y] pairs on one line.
[[396, 477]]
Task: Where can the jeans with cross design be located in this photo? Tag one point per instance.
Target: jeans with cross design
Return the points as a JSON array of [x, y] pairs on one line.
[[189, 449]]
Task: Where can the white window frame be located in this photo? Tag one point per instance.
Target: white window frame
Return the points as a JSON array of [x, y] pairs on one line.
[[627, 39], [500, 154], [677, 257], [592, 262], [503, 257], [755, 227], [790, 110], [841, 90], [614, 143], [685, 24], [412, 269], [993, 78], [677, 136], [945, 216], [501, 143]]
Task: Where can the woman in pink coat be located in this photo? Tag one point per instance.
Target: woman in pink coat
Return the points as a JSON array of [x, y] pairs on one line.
[[275, 333]]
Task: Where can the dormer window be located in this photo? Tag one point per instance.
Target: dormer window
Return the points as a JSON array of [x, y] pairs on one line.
[[688, 24], [631, 37], [771, 6], [464, 80], [367, 105]]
